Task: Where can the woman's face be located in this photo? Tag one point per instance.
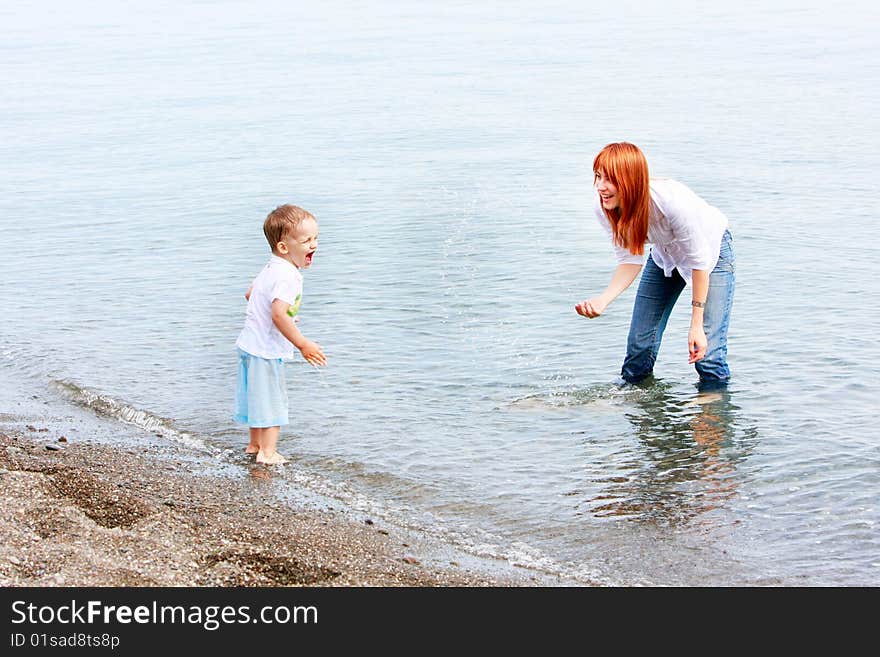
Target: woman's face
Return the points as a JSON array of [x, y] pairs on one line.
[[607, 191]]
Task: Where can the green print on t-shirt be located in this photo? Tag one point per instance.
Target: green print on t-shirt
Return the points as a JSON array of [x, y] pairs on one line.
[[294, 309]]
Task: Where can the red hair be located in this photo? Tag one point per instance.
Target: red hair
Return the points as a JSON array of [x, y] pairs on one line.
[[626, 167]]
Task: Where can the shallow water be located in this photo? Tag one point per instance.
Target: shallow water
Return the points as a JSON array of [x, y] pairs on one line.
[[446, 152]]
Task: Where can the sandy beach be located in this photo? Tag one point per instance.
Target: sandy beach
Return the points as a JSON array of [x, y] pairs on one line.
[[76, 513]]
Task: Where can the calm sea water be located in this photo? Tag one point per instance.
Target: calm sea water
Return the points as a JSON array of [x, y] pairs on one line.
[[446, 150]]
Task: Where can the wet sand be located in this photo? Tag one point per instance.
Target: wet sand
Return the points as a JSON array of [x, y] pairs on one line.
[[81, 513]]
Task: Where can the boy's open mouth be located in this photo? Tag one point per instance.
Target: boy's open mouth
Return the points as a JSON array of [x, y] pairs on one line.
[[309, 256]]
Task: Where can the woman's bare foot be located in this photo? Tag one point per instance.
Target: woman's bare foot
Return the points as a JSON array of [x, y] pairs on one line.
[[252, 449], [270, 459], [708, 397]]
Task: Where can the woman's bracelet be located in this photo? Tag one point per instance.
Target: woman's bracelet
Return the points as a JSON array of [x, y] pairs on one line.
[[698, 304]]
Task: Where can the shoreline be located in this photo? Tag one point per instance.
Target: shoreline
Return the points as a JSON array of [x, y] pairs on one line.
[[77, 512]]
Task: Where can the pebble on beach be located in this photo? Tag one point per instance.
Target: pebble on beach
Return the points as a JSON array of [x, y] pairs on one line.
[[96, 515]]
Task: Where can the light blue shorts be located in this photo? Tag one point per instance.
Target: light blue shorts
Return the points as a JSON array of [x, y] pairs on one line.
[[261, 394]]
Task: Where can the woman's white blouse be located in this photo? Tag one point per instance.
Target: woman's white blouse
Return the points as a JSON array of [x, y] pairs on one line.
[[684, 231]]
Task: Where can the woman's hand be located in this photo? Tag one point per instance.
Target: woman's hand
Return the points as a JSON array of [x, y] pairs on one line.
[[623, 276], [697, 344], [592, 307]]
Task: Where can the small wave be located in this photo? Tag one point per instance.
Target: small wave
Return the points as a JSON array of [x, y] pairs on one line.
[[467, 537], [107, 406], [314, 487]]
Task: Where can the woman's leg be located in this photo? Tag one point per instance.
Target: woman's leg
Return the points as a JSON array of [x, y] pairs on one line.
[[713, 369], [655, 299]]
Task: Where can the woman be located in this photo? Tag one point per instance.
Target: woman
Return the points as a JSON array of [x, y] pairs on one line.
[[691, 244]]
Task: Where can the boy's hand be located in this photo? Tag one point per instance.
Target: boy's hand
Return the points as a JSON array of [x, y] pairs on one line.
[[311, 351]]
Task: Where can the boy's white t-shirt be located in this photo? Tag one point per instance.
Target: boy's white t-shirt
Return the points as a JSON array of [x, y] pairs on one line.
[[279, 279], [685, 232]]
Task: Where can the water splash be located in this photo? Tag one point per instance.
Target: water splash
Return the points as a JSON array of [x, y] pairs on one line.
[[605, 394]]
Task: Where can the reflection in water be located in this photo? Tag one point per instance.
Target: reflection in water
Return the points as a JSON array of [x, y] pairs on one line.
[[687, 454], [260, 473]]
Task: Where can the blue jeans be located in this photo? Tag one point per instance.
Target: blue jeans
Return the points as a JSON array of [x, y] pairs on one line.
[[654, 301]]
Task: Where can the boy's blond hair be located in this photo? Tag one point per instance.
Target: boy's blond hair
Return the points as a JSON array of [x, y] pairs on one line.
[[282, 221]]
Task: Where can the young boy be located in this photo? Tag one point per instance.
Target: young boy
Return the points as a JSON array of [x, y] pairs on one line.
[[270, 332]]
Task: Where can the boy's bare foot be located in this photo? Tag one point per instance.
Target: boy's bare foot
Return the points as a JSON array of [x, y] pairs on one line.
[[270, 459], [252, 449]]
